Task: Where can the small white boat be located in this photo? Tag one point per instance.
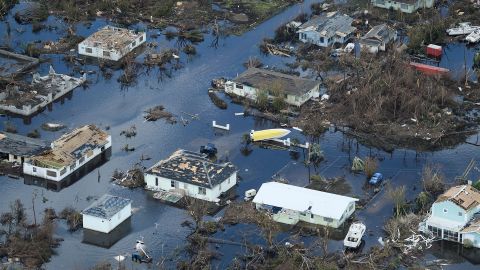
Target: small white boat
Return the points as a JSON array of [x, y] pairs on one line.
[[354, 235], [464, 28], [474, 37]]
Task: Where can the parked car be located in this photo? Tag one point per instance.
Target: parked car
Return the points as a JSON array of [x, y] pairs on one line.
[[376, 179]]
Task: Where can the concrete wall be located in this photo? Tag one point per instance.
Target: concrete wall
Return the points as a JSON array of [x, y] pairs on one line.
[[474, 237], [314, 37], [114, 55], [107, 225], [406, 8], [61, 173], [292, 217], [450, 211], [157, 183], [251, 93]]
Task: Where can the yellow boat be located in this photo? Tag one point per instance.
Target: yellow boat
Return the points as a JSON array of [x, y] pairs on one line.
[[268, 134]]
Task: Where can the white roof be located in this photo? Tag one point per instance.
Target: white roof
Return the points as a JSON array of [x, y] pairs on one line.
[[301, 199]]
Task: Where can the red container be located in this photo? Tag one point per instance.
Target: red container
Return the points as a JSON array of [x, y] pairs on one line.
[[429, 70], [434, 51]]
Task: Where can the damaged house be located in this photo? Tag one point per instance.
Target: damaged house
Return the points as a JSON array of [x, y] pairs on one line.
[[295, 90], [27, 99], [291, 204], [18, 148], [111, 43], [192, 174], [406, 6], [378, 38], [455, 216], [71, 156], [327, 29]]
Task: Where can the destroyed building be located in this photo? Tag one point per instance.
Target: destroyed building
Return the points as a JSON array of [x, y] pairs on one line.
[[12, 64], [192, 174], [18, 148], [70, 157], [111, 43], [27, 99], [406, 6], [455, 216], [295, 90], [378, 38], [327, 29]]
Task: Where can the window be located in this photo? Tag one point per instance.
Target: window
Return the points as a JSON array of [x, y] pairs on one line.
[[404, 6], [303, 214], [134, 43], [445, 210], [172, 183], [156, 181], [328, 219], [322, 39], [52, 173], [239, 86], [89, 50], [106, 53], [63, 171], [460, 214], [34, 169], [435, 231], [202, 191], [351, 207], [311, 215], [141, 38], [452, 236], [103, 148], [81, 160], [228, 180], [72, 167], [15, 157]]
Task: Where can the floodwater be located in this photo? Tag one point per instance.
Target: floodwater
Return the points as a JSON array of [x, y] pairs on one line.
[[105, 103]]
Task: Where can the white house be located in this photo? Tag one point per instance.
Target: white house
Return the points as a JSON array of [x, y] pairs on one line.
[[290, 204], [295, 90], [455, 216], [17, 148], [378, 38], [111, 43], [72, 152], [406, 6], [106, 213], [191, 174], [327, 29]]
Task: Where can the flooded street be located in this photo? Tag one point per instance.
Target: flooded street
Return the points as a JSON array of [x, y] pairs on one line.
[[109, 105]]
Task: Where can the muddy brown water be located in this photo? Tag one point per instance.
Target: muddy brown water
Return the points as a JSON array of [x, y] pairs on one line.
[[105, 103]]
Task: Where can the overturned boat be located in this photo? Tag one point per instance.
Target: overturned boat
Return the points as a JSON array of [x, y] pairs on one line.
[[474, 37], [268, 134], [354, 235], [464, 28]]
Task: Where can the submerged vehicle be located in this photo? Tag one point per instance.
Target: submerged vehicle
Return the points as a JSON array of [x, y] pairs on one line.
[[354, 235], [377, 178], [464, 28], [268, 134], [209, 149]]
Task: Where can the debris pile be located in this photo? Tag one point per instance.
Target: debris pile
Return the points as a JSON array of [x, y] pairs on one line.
[[158, 112]]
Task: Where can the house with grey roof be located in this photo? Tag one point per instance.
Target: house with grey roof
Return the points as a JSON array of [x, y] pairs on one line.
[[378, 38], [327, 29], [295, 90], [18, 148], [192, 174], [105, 214], [406, 6]]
